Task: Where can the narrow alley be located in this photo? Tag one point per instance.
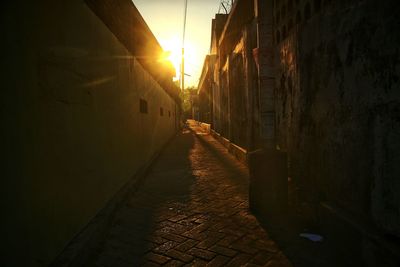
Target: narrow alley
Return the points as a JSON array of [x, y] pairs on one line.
[[200, 133], [192, 209]]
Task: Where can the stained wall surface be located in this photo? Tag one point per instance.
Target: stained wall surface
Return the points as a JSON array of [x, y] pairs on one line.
[[72, 130], [337, 104], [319, 80]]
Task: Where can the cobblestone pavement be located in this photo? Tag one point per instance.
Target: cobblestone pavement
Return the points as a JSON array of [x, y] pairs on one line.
[[192, 210]]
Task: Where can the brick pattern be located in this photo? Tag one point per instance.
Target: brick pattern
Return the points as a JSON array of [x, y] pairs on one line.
[[192, 210]]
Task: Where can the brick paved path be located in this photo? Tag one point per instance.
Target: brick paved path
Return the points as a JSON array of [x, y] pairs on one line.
[[191, 210]]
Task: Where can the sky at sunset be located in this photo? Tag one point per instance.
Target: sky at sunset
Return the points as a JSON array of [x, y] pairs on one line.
[[165, 19]]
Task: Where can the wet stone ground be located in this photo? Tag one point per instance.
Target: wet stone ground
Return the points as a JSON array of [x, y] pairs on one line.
[[191, 210]]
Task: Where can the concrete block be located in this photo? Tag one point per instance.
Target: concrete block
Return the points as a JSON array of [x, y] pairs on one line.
[[268, 182]]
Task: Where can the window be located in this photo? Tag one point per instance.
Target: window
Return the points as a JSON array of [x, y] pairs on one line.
[[143, 106], [290, 24], [317, 5], [278, 37], [169, 113], [161, 112], [283, 12], [298, 17], [290, 5], [307, 11], [284, 32]]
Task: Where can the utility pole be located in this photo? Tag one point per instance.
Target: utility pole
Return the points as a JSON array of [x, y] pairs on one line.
[[183, 48], [183, 69]]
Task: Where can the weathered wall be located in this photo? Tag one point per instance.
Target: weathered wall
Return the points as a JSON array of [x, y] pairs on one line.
[[234, 77], [338, 104], [327, 94], [72, 134]]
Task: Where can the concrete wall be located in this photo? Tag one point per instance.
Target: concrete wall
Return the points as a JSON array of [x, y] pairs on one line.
[[326, 95], [72, 134], [232, 77], [338, 105]]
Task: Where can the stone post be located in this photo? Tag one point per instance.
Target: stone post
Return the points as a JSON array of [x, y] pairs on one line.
[[268, 166]]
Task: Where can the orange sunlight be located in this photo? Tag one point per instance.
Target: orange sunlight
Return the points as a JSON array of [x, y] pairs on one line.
[[165, 19], [173, 49]]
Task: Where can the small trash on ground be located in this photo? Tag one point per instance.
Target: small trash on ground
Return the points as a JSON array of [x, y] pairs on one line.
[[312, 237]]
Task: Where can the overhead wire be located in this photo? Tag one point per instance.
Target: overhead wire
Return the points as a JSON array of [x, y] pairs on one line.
[[184, 23], [183, 46]]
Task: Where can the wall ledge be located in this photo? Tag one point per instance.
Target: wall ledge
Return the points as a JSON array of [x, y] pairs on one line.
[[239, 152]]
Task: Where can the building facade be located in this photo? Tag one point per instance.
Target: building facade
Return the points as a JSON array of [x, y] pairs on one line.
[[81, 115], [318, 81]]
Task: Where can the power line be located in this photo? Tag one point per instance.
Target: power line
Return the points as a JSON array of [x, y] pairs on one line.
[[183, 47], [184, 23]]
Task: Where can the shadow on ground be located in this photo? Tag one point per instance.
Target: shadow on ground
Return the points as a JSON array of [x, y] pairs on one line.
[[191, 209], [134, 222]]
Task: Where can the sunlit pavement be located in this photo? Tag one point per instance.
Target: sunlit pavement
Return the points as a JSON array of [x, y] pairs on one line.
[[192, 210]]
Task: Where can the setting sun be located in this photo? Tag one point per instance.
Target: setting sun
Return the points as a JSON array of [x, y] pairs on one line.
[[165, 19], [173, 49]]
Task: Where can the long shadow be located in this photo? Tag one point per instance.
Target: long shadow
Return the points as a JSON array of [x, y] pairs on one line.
[[227, 160], [301, 252], [163, 191]]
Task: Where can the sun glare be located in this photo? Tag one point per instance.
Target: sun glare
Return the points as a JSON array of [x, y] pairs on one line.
[[173, 51], [173, 48]]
